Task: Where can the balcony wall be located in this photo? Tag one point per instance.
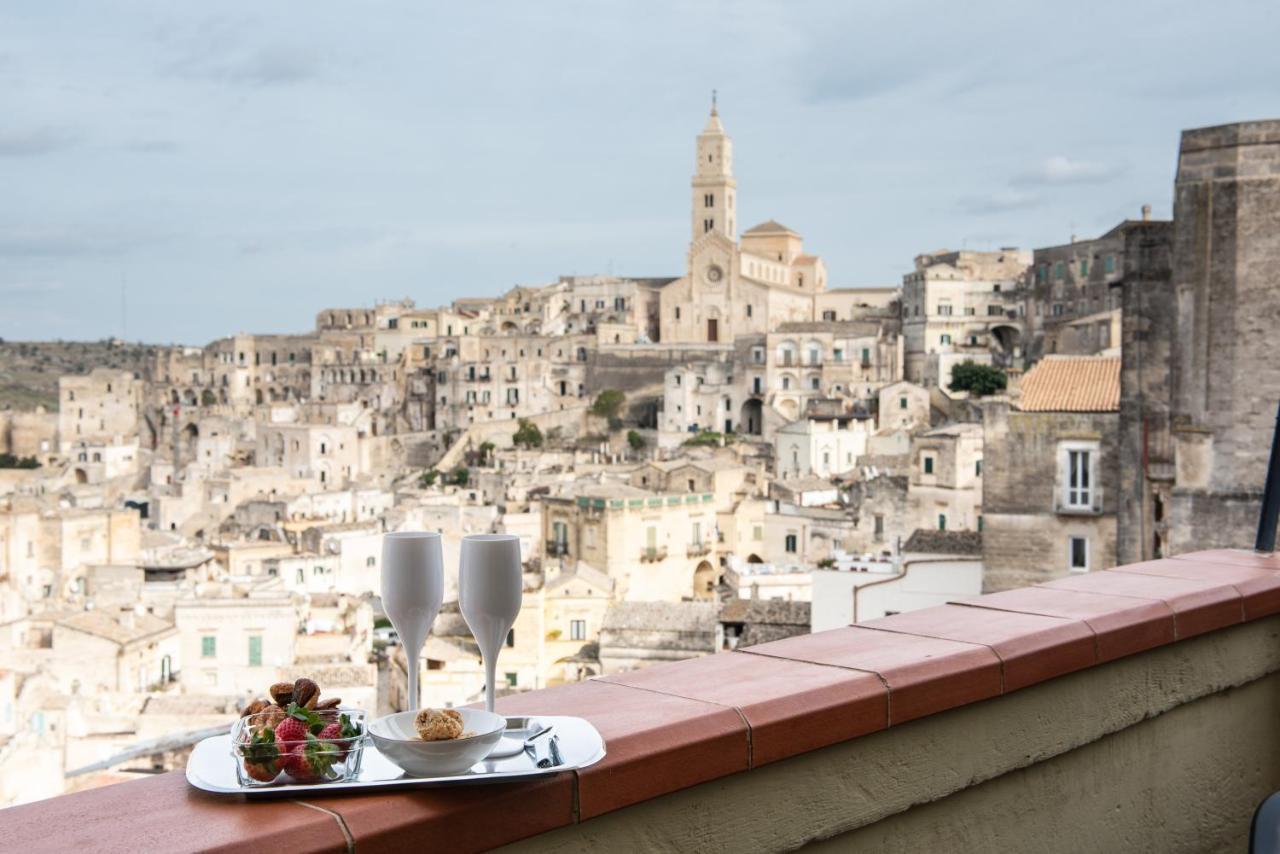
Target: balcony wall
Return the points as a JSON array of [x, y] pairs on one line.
[[1131, 709]]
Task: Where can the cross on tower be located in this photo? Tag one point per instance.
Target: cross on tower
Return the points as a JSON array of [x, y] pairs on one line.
[[713, 102]]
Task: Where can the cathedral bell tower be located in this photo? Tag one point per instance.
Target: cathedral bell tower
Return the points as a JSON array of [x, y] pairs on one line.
[[713, 185]]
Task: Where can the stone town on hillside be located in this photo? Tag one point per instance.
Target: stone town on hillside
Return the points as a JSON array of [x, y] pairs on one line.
[[693, 463]]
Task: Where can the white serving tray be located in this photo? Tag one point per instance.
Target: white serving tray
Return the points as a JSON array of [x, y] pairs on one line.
[[211, 766]]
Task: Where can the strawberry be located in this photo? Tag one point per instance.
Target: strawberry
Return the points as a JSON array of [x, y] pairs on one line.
[[312, 761], [343, 731], [261, 757], [261, 773], [298, 722], [291, 730]]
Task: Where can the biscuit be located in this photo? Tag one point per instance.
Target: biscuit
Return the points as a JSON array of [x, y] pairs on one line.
[[438, 724]]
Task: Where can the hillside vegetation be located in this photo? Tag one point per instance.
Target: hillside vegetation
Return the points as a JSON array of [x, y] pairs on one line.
[[29, 370]]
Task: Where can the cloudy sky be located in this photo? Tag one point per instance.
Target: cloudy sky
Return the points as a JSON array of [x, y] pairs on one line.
[[232, 167]]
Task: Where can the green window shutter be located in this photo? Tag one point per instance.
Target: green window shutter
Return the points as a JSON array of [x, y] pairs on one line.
[[255, 650]]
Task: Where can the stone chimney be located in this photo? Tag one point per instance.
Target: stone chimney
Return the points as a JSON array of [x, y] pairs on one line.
[[1146, 213]]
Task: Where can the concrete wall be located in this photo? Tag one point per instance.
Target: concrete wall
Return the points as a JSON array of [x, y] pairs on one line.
[[1169, 750]]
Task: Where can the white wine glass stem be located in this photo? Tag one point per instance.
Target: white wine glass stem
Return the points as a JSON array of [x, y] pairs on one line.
[[490, 689], [414, 696]]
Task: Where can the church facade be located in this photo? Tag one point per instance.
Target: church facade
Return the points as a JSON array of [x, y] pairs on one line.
[[731, 286]]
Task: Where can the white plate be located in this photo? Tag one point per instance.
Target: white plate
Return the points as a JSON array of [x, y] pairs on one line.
[[212, 768]]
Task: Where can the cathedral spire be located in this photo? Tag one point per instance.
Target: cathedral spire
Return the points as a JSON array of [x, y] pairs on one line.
[[713, 184], [713, 121]]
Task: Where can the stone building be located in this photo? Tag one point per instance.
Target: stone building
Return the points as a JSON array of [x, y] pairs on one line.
[[962, 306], [508, 377], [946, 477], [878, 495], [697, 396], [655, 545], [233, 641], [1052, 473], [734, 287], [1074, 295], [821, 446], [29, 434], [1147, 459], [637, 634], [117, 651], [1201, 378], [328, 454], [100, 406], [903, 405], [576, 601]]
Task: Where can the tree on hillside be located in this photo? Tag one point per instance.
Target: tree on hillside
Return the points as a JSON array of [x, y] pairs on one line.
[[635, 440], [978, 380], [527, 435], [608, 404]]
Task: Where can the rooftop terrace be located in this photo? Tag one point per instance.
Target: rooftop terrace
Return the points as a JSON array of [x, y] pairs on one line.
[[1129, 709]]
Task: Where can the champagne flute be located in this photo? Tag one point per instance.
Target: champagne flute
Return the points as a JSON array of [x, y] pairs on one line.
[[412, 592], [490, 588]]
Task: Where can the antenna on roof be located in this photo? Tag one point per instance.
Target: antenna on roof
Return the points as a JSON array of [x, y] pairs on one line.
[[713, 103]]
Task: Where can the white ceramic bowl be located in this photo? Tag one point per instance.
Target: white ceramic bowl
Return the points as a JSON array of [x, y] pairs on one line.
[[397, 740]]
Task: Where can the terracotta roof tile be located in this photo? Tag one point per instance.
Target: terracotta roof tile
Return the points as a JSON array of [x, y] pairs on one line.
[[768, 227], [1072, 384]]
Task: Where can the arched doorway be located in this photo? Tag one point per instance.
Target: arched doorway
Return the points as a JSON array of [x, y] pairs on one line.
[[754, 558], [190, 437], [1008, 341], [751, 417], [82, 476], [705, 579]]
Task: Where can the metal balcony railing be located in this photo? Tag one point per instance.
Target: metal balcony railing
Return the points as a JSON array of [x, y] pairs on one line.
[[699, 549], [555, 548], [653, 555]]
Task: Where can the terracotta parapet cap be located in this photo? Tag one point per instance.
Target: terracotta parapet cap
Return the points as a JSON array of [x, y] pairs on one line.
[[677, 725]]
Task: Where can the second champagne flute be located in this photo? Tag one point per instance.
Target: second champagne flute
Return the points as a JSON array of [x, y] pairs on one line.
[[490, 589]]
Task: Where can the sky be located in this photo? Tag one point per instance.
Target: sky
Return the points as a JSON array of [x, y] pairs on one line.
[[180, 172]]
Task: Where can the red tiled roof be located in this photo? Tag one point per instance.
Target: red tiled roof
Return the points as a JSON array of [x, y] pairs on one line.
[[768, 227], [1072, 384]]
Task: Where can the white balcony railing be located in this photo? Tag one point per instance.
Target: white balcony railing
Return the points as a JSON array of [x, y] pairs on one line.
[[1078, 502]]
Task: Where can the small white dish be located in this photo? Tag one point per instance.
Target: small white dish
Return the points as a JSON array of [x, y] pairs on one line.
[[397, 740]]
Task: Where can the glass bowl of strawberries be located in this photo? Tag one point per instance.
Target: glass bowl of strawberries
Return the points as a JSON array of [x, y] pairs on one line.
[[298, 745]]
